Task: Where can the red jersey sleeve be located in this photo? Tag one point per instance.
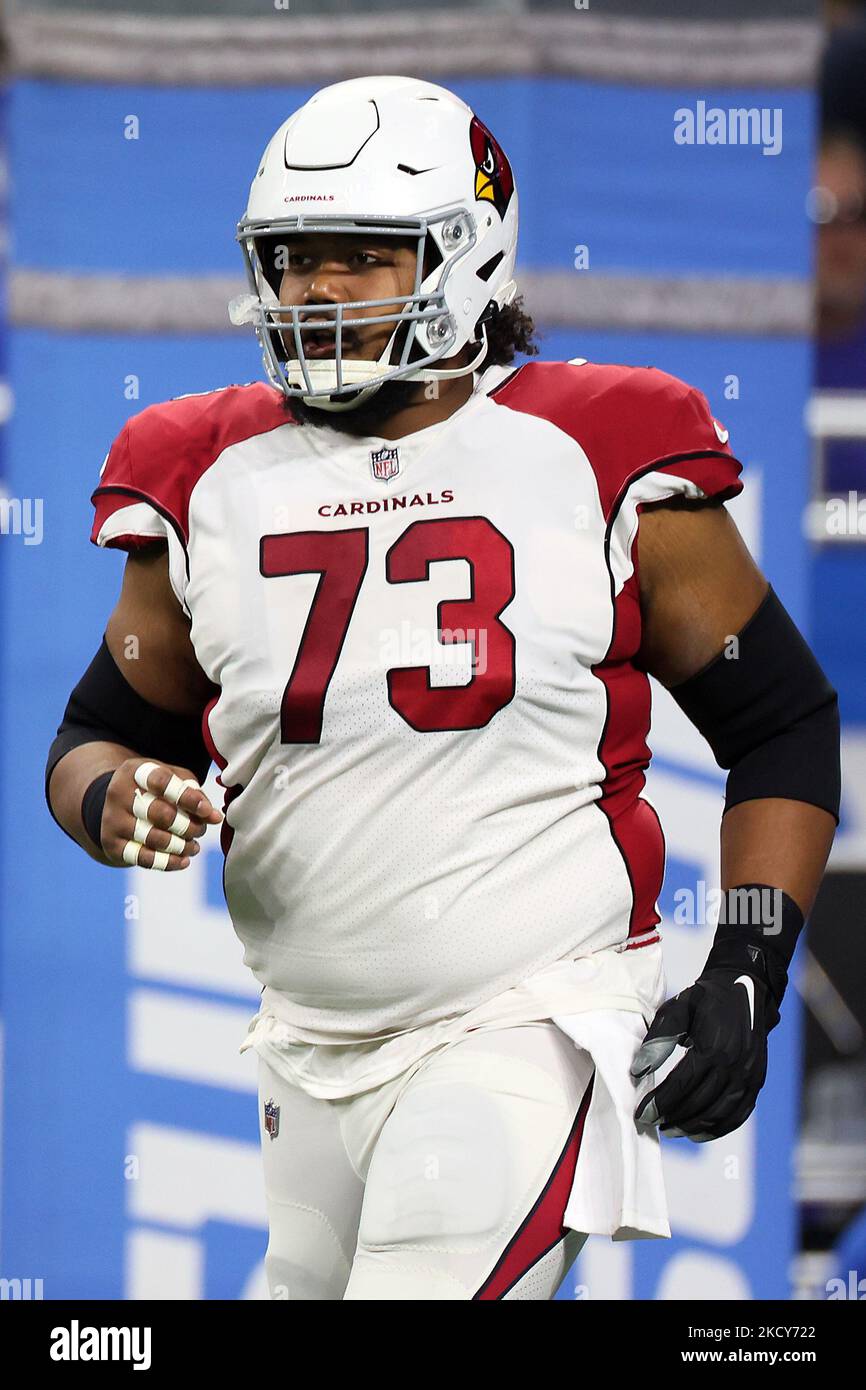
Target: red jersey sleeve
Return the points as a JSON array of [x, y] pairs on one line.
[[155, 463], [643, 432], [126, 515], [696, 451]]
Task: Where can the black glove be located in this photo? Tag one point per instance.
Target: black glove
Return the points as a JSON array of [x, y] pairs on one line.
[[723, 1020]]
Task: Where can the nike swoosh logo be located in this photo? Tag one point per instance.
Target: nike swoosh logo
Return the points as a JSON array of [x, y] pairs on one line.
[[407, 169], [722, 434], [749, 984]]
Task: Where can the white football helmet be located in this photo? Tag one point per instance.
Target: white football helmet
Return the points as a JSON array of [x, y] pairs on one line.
[[385, 156]]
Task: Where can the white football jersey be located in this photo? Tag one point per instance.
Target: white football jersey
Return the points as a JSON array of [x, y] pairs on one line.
[[430, 727]]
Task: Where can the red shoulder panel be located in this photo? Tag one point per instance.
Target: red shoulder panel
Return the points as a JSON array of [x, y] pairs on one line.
[[627, 420], [161, 453]]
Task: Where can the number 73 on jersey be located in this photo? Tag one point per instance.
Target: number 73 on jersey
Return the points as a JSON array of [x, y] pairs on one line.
[[341, 560]]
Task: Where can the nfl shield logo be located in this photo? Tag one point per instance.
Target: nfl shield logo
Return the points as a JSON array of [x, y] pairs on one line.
[[272, 1119], [385, 464]]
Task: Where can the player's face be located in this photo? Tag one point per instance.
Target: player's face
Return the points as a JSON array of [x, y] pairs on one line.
[[338, 268]]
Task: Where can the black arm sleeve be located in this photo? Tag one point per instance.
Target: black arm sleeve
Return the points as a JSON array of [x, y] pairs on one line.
[[103, 707], [769, 714]]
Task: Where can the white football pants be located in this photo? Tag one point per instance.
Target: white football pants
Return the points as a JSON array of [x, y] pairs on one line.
[[448, 1182]]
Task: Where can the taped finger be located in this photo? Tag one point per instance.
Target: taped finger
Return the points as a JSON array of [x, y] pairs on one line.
[[176, 788], [141, 801], [180, 825], [141, 830], [141, 774], [175, 844], [132, 851]]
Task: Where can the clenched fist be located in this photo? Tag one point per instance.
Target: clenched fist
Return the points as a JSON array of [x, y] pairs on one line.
[[150, 818]]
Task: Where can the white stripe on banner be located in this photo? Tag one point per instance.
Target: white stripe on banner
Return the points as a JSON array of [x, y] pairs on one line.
[[189, 1039], [284, 49], [136, 304]]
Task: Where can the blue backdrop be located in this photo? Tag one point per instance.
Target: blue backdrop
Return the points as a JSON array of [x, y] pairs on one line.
[[130, 1158]]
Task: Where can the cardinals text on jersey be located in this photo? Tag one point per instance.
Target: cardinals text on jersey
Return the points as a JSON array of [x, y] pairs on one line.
[[430, 727]]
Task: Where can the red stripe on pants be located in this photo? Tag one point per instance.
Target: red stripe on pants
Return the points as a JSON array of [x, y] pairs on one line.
[[542, 1228]]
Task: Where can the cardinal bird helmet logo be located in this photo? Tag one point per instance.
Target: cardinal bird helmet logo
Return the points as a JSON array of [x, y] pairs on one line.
[[494, 181]]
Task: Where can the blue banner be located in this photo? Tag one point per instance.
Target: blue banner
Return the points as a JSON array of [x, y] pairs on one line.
[[130, 1163]]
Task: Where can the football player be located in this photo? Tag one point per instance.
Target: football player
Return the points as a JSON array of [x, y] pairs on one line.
[[407, 595]]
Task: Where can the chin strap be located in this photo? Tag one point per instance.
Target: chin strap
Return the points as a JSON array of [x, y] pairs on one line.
[[425, 374], [447, 373], [323, 373], [342, 403], [505, 296]]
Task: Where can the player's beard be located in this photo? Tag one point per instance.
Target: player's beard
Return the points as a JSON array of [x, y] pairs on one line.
[[364, 419], [368, 417]]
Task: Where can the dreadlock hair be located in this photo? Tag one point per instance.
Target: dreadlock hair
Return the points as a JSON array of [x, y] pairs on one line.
[[509, 330]]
